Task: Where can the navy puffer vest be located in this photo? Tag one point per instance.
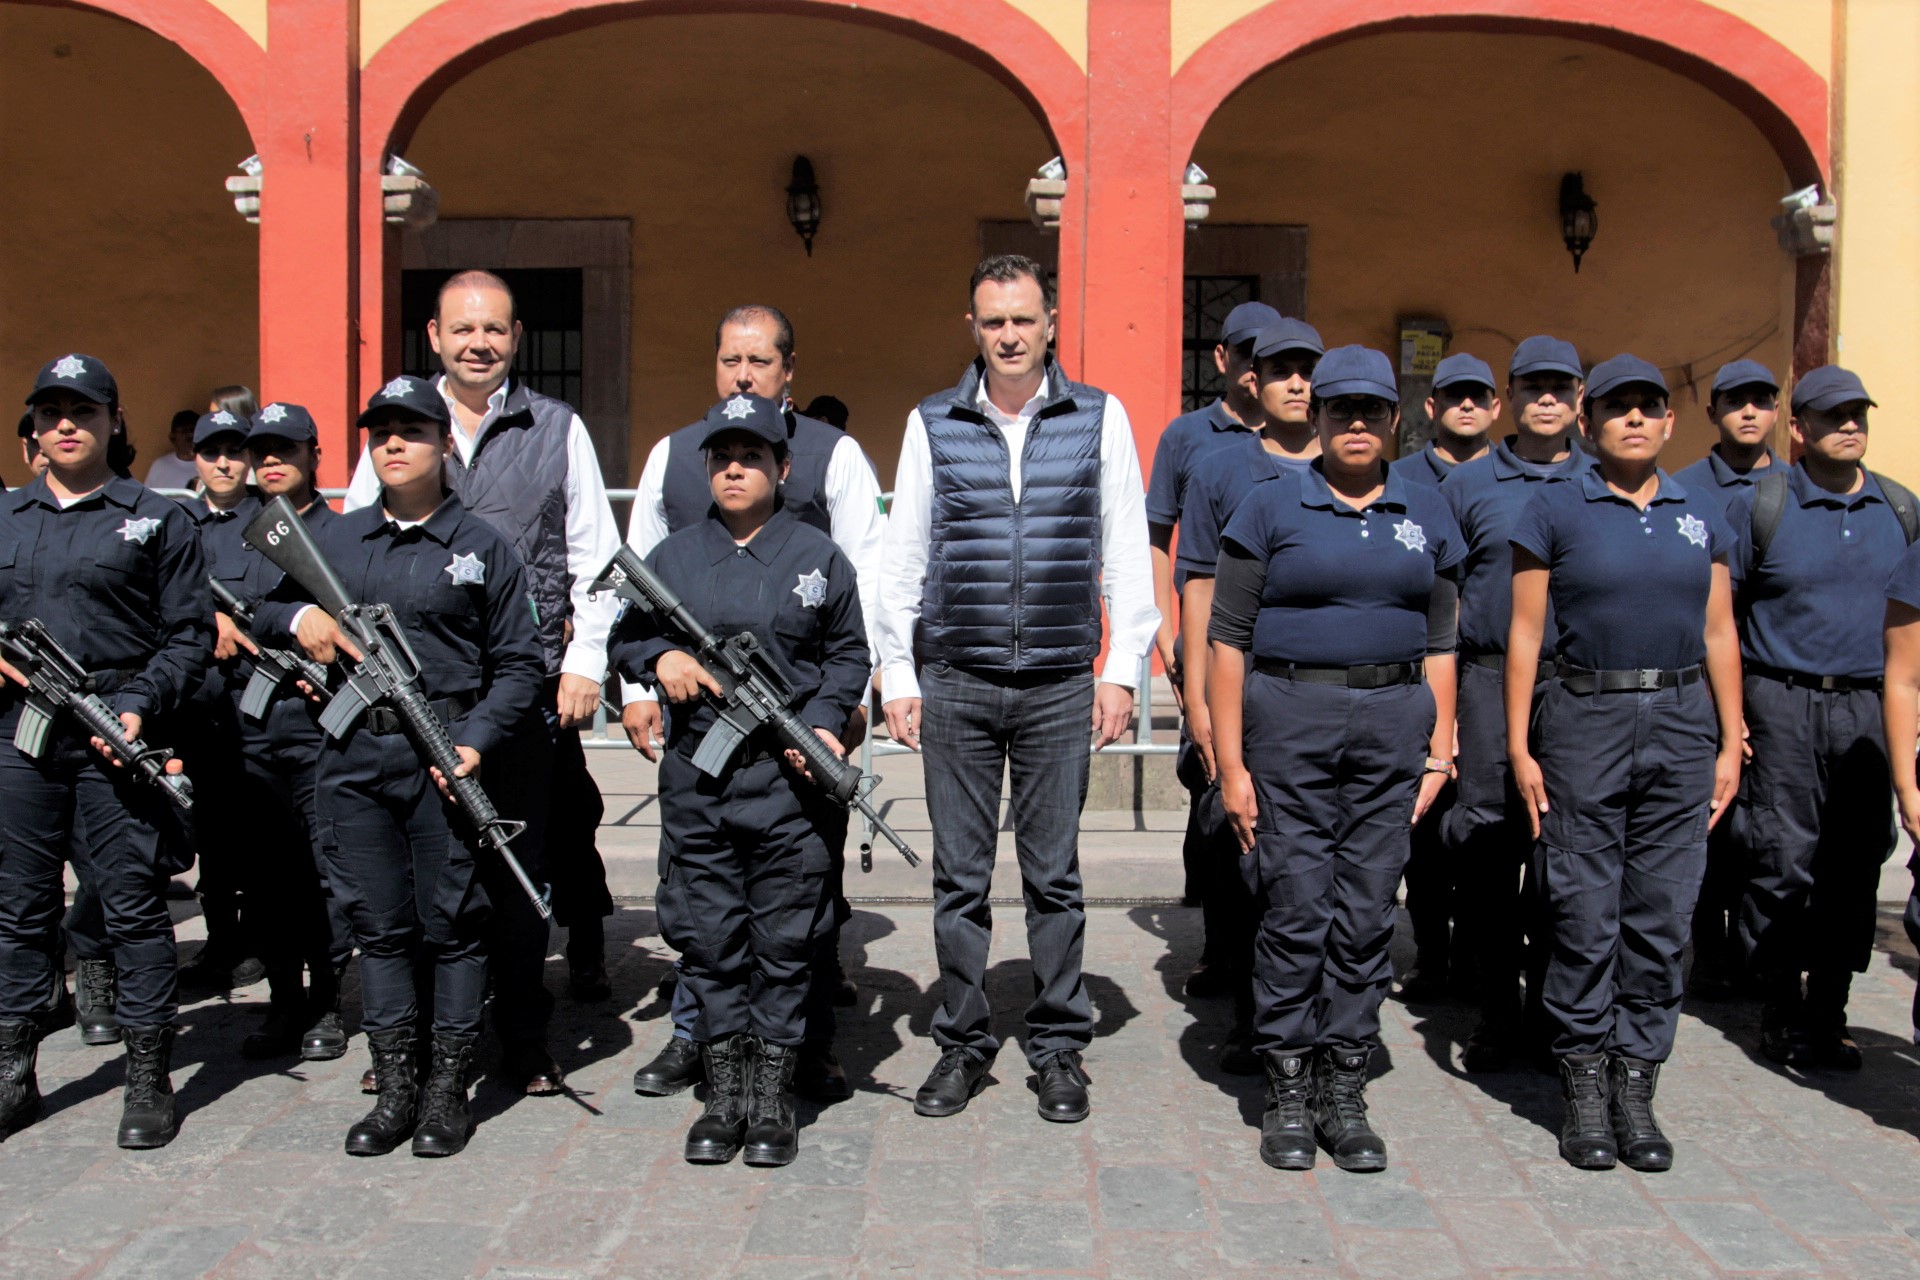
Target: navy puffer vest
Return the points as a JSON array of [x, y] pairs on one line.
[[1013, 587], [687, 491]]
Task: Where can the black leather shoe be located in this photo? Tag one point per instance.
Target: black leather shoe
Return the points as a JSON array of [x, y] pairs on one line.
[[1783, 1037], [1286, 1139], [1587, 1132], [952, 1084], [446, 1123], [326, 1039], [1208, 980], [773, 1131], [19, 1088], [247, 972], [819, 1075], [96, 989], [147, 1116], [1340, 1111], [279, 1035], [674, 1069], [528, 1067], [716, 1137], [1637, 1134], [396, 1081], [1063, 1088]]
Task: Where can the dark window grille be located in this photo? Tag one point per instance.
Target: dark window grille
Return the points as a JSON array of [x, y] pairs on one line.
[[550, 304], [1208, 300]]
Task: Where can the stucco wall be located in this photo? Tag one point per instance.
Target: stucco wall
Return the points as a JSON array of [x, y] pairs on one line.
[[116, 236]]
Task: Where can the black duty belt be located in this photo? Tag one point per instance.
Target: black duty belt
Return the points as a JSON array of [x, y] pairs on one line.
[[385, 721], [1542, 671], [1826, 684], [1374, 677], [1640, 680]]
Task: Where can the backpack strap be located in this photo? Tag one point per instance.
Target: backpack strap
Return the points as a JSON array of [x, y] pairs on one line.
[[1901, 499], [1769, 505]]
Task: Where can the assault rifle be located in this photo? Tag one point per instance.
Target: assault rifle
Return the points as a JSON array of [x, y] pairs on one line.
[[57, 683], [755, 694], [272, 668], [387, 674]]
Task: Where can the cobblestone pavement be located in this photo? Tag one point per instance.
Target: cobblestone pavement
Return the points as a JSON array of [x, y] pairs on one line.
[[1776, 1173]]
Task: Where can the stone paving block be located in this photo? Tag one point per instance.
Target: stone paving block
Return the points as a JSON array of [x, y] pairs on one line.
[[1586, 1198], [923, 1253], [17, 1262], [1738, 1236], [829, 1158], [808, 1222], [1871, 1259], [1403, 1255], [1373, 1199], [1815, 1204], [675, 1253], [571, 1228], [407, 1251], [329, 1216], [906, 1193], [1151, 1198], [1502, 1234], [1023, 1235], [173, 1251], [1287, 1235], [1147, 1255], [94, 1217], [1695, 1176], [1459, 1167]]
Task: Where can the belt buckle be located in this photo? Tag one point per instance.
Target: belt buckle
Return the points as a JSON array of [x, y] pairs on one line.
[[1649, 678], [1827, 684]]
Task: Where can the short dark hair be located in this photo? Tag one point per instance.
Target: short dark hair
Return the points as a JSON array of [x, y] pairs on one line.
[[184, 418], [120, 450], [828, 409], [236, 399], [748, 313], [475, 278], [1006, 268]]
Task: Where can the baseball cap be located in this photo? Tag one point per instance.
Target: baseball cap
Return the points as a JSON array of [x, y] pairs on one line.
[[1621, 371], [1828, 387], [1246, 321], [1743, 373], [80, 375], [1462, 368], [408, 397], [1288, 334], [755, 415], [1544, 354], [218, 423], [1355, 371], [280, 421]]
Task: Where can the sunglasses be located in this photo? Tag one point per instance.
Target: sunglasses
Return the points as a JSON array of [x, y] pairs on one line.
[[1370, 409]]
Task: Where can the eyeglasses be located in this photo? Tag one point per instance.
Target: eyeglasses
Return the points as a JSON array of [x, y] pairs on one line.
[[213, 451], [1370, 409]]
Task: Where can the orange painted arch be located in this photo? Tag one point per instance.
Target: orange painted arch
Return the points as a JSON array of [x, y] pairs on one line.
[[1785, 98]]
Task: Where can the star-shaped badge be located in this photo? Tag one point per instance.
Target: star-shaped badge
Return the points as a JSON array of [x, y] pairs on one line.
[[397, 388], [1693, 529], [224, 418], [1410, 535], [812, 589], [467, 569], [738, 407], [69, 367], [273, 413], [139, 531]]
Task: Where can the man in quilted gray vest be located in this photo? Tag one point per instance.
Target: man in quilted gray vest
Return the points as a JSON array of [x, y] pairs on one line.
[[1018, 508], [524, 463]]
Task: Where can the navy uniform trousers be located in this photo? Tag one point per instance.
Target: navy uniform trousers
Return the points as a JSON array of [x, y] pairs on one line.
[[1623, 848], [406, 880], [1212, 856], [304, 924], [524, 780], [1336, 772], [744, 892], [1819, 824]]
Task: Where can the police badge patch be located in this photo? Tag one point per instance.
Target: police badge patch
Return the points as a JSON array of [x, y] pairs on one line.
[[1410, 535], [139, 531], [738, 407], [812, 589], [467, 569], [1693, 529], [397, 388], [273, 413], [69, 367]]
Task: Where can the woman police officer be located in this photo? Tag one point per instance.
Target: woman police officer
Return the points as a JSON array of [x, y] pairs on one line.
[[744, 886], [402, 866], [1338, 580], [114, 572], [1634, 753]]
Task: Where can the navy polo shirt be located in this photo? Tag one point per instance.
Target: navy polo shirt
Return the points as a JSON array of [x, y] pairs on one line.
[[1426, 467], [1712, 478], [1487, 496], [1904, 586], [1344, 587], [225, 552], [1629, 587], [1186, 443], [1218, 487], [1813, 604]]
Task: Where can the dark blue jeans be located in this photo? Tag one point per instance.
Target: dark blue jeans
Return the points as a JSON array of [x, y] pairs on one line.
[[1036, 729]]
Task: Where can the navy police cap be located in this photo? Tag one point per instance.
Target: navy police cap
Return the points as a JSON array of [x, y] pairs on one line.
[[1245, 322], [1462, 369], [1828, 387], [1543, 353], [1620, 371], [78, 375], [407, 397], [279, 421], [1288, 334], [1743, 373], [221, 422], [754, 415], [1355, 371]]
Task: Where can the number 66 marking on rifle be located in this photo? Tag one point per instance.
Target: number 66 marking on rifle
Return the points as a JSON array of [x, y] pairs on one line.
[[279, 531]]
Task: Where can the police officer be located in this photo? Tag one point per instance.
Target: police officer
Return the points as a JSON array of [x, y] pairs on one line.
[[307, 939], [1818, 543], [394, 852], [1284, 354], [832, 486], [1337, 581], [744, 880], [1634, 755], [1744, 406], [114, 572], [1186, 443], [1486, 828], [1463, 407]]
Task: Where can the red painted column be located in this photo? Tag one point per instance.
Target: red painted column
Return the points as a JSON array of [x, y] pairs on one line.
[[309, 234], [1130, 327]]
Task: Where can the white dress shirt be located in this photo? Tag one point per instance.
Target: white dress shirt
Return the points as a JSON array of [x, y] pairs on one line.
[[1126, 579], [592, 534], [170, 472], [859, 527]]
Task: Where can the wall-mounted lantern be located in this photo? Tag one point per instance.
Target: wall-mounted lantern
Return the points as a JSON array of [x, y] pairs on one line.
[[1805, 225], [1046, 192], [1196, 195], [803, 202], [1578, 218]]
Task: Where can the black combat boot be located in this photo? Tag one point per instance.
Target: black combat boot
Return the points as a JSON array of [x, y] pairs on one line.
[[396, 1081], [1631, 1084], [326, 1035], [773, 1131], [445, 1120], [96, 988], [673, 1069], [19, 1088], [716, 1136], [1286, 1139], [1340, 1110], [1586, 1134], [146, 1116], [1783, 1030]]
